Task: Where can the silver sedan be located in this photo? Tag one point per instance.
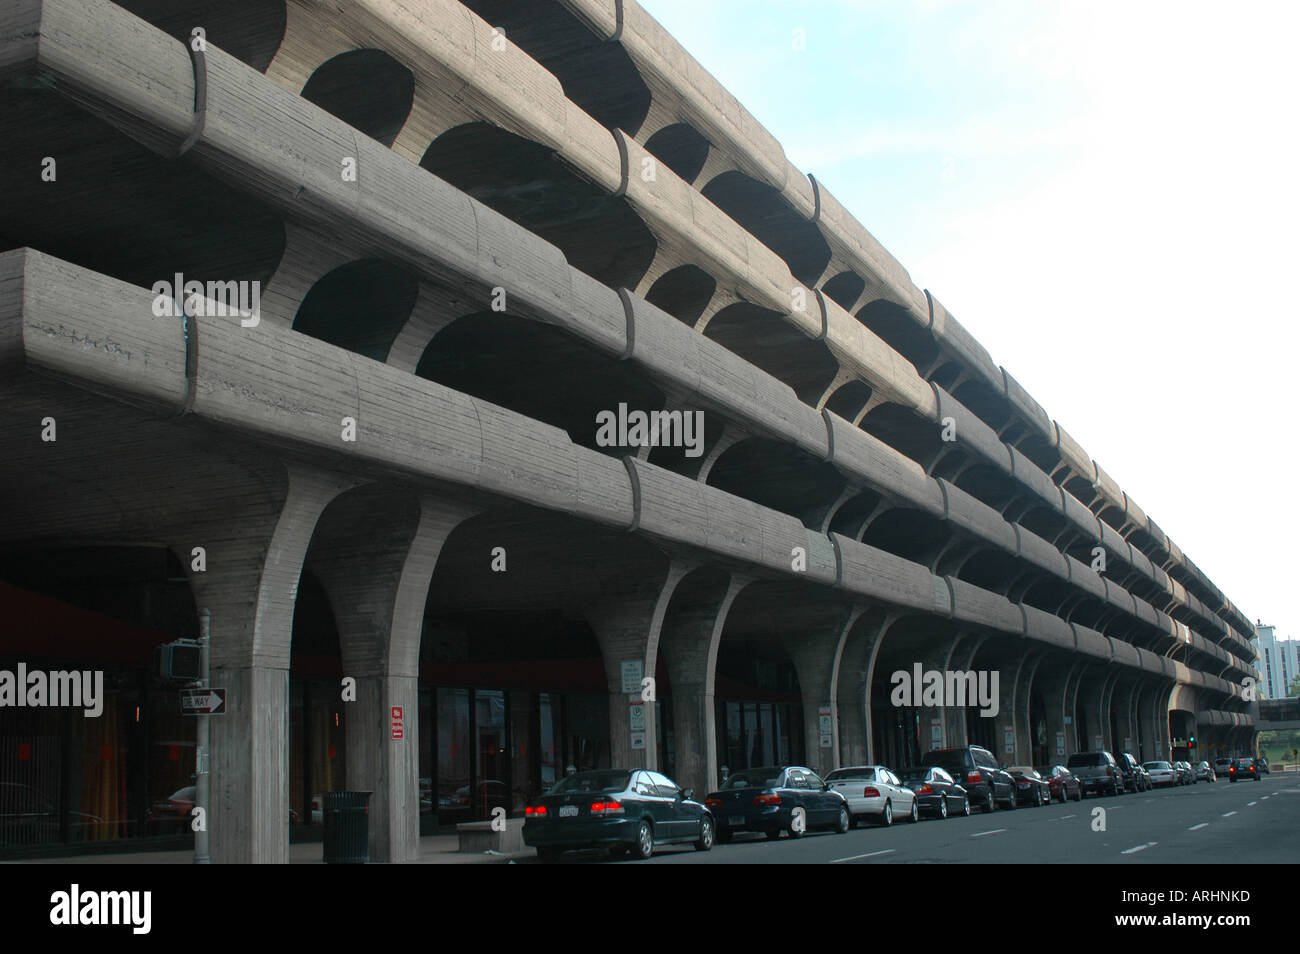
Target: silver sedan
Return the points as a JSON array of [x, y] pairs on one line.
[[874, 791]]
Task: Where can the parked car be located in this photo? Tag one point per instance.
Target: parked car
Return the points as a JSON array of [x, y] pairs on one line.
[[976, 770], [936, 791], [1064, 784], [1221, 766], [1098, 772], [1261, 763], [1185, 774], [1205, 771], [619, 809], [764, 799], [873, 791], [1136, 778], [1163, 774], [29, 818], [1243, 768], [1031, 787]]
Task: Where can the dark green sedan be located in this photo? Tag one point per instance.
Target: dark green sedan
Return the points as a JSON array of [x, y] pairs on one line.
[[624, 810]]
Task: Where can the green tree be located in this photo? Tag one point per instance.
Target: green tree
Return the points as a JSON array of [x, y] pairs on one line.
[[1294, 689]]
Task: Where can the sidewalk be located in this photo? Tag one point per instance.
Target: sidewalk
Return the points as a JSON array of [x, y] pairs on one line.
[[434, 850]]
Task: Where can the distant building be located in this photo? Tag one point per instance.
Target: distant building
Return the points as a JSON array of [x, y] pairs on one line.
[[1281, 661]]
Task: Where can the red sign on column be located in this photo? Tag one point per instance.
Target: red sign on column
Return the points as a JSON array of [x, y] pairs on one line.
[[396, 713]]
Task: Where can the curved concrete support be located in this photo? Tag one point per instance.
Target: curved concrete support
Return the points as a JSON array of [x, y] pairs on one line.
[[375, 553]]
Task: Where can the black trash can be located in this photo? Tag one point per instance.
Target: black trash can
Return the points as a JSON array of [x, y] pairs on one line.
[[347, 827]]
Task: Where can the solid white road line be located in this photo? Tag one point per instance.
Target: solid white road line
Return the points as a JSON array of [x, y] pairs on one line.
[[981, 834], [869, 854], [1195, 827], [1130, 851], [1228, 814]]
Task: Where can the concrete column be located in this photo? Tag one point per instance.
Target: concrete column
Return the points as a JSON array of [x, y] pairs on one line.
[[628, 630], [1052, 680], [1007, 720], [816, 659], [375, 552], [690, 645], [853, 695], [1025, 739], [1092, 684], [250, 583]]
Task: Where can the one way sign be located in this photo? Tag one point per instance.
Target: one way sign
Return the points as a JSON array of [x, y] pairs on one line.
[[203, 702]]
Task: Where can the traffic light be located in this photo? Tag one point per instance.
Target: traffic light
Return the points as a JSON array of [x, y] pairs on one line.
[[180, 659], [1191, 742]]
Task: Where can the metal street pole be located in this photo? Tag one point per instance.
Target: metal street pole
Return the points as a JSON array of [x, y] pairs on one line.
[[202, 780]]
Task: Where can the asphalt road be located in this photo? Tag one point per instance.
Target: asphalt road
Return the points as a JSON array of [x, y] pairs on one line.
[[1242, 822]]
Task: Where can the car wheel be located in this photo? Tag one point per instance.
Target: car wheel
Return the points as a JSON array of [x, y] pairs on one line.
[[706, 834], [1011, 802], [645, 841], [916, 813], [965, 806], [797, 833], [943, 806], [1079, 796], [845, 822], [988, 804], [887, 816]]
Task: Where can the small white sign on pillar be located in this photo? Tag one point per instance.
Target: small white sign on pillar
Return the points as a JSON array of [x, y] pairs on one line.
[[631, 671], [1097, 742], [1009, 740], [1060, 743], [936, 733]]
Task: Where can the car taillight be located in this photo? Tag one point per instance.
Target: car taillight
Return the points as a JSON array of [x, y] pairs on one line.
[[535, 811], [974, 778], [607, 808], [925, 789], [713, 803], [1232, 768], [869, 792], [767, 798]]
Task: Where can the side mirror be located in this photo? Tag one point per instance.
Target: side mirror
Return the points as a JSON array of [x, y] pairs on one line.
[[687, 793]]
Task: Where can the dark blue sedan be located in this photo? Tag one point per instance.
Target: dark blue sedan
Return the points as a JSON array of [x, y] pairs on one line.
[[777, 798]]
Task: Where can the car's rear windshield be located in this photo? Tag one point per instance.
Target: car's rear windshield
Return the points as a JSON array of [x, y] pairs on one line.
[[952, 762], [765, 777], [1086, 758], [610, 781], [866, 774], [1156, 765]]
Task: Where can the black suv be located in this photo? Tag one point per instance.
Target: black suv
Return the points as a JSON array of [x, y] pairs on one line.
[[1136, 778], [1098, 772], [976, 770]]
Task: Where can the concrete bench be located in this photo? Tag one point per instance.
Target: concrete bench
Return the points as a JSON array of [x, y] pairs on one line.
[[478, 836]]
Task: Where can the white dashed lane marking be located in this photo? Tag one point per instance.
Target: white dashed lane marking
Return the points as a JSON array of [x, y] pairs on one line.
[[1228, 814], [1195, 827], [981, 834], [869, 854], [1131, 851]]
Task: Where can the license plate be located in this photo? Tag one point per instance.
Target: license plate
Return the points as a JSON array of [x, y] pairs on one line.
[[736, 820], [568, 811]]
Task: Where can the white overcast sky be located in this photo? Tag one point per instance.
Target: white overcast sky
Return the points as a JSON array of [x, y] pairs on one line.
[[1105, 194]]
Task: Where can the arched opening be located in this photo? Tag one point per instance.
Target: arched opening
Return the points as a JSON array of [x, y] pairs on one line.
[[360, 306], [367, 89], [529, 184], [895, 326], [765, 339], [684, 292], [844, 289], [681, 149], [760, 210], [778, 476], [539, 371], [597, 75], [143, 229]]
